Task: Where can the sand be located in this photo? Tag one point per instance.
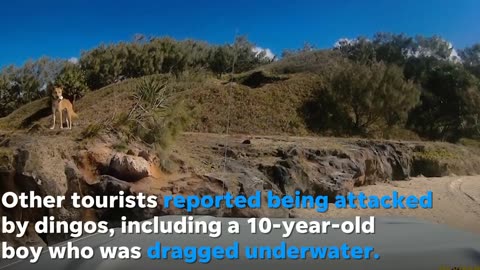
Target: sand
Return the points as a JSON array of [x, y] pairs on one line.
[[456, 201]]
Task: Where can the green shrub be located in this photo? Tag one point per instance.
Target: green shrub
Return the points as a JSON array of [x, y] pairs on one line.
[[122, 146], [373, 93], [92, 130], [72, 80], [158, 115]]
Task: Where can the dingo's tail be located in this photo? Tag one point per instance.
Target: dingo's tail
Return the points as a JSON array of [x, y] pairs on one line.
[[74, 114]]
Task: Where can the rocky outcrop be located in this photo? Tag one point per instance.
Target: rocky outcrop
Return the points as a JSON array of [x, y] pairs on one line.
[[128, 167], [312, 166], [337, 171]]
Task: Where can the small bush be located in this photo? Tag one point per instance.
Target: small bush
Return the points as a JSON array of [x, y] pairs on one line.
[[120, 120], [121, 146], [158, 115], [92, 130]]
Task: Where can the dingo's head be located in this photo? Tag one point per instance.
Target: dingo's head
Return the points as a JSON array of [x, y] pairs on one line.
[[57, 93]]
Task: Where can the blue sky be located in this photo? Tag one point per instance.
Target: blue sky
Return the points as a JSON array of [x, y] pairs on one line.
[[31, 29]]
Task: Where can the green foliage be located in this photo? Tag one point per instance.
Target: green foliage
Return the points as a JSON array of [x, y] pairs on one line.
[[245, 56], [360, 50], [72, 80], [21, 85], [121, 146], [221, 59], [157, 117], [120, 120], [92, 130], [471, 55], [434, 46], [174, 121], [450, 107], [394, 48], [471, 59], [112, 63], [361, 86], [363, 96], [151, 96], [450, 94], [8, 98], [369, 94]]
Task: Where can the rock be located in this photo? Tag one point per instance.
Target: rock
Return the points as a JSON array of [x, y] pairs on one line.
[[232, 154], [45, 168], [128, 168], [239, 179], [71, 171], [132, 152], [147, 156], [284, 166], [100, 155], [334, 172], [109, 185]]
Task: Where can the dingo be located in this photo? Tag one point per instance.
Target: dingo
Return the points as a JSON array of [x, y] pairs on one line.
[[59, 104]]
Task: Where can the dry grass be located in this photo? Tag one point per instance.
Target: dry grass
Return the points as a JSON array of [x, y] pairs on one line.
[[438, 153], [270, 109], [6, 159], [273, 108], [441, 159], [99, 106], [19, 117]]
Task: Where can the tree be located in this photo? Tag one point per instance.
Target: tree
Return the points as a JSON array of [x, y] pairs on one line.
[[245, 56], [241, 56], [221, 59], [450, 103], [8, 99], [373, 93], [360, 49], [471, 59], [72, 80], [102, 65], [395, 48], [392, 48], [434, 46], [307, 47]]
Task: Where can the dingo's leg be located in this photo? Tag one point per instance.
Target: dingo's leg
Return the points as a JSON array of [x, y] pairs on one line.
[[69, 121], [53, 126], [61, 119], [67, 118]]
